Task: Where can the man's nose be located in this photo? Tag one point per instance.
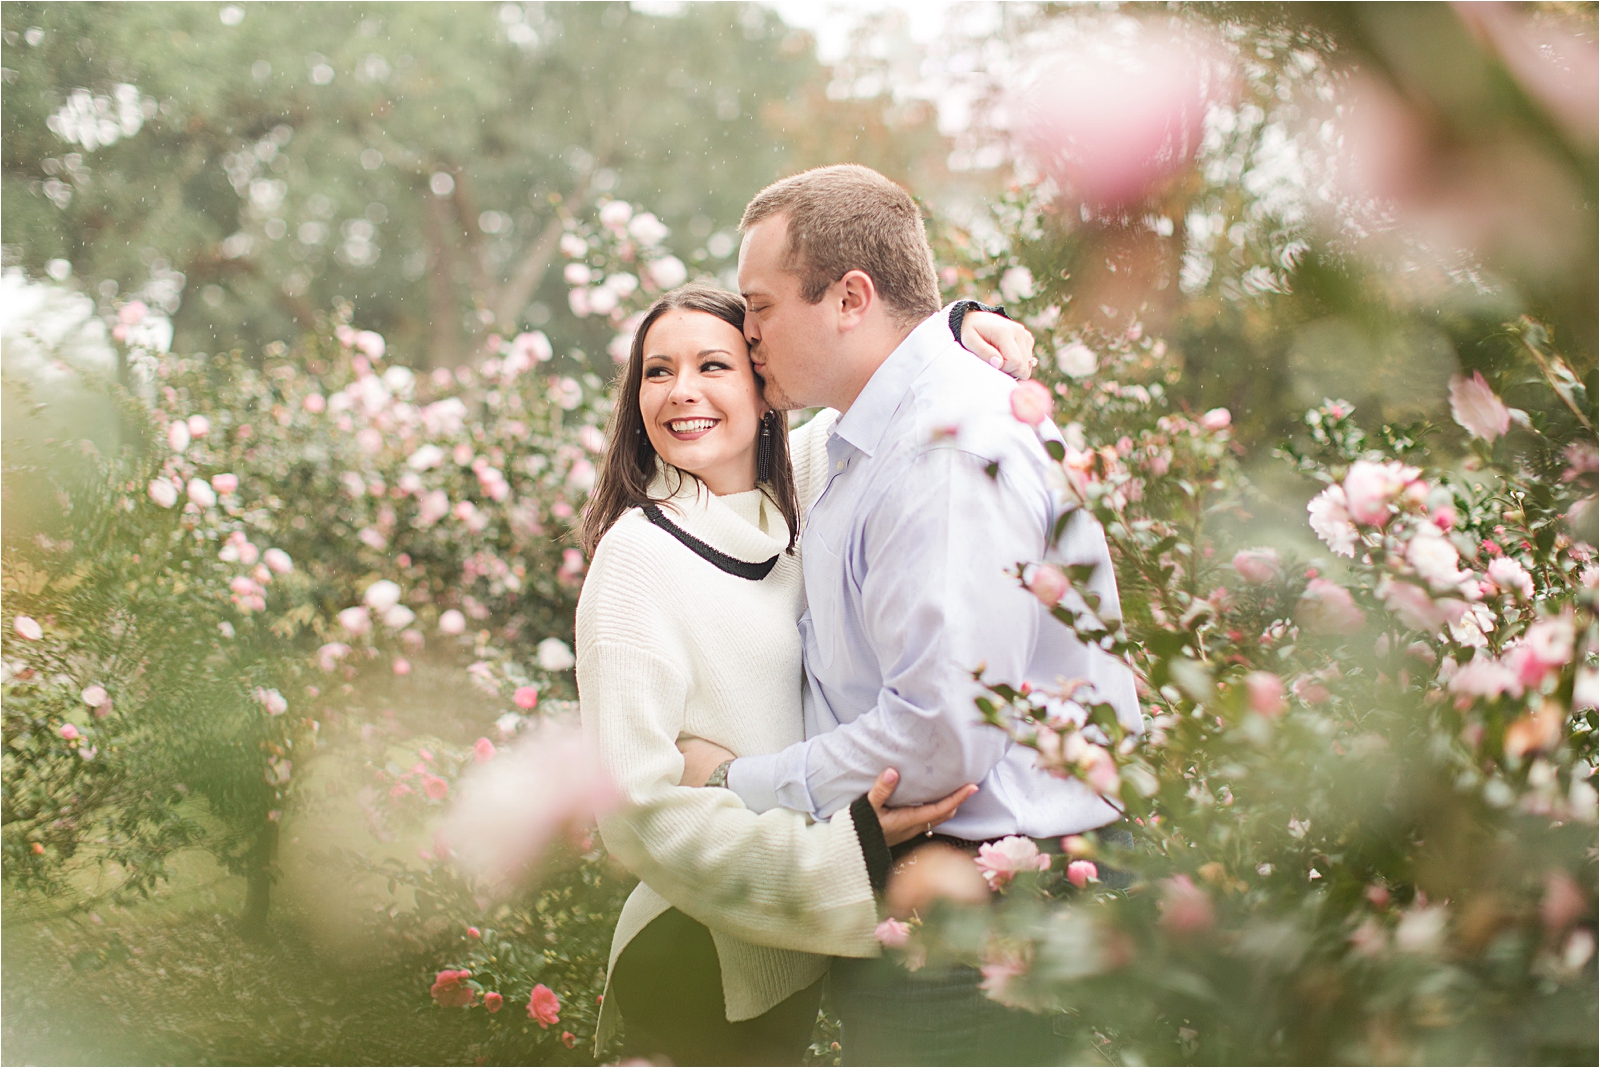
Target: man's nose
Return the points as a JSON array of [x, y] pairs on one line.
[[752, 332]]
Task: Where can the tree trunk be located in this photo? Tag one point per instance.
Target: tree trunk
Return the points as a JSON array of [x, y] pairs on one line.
[[258, 890]]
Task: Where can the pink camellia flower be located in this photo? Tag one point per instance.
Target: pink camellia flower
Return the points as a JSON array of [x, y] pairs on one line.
[[492, 1001], [1369, 488], [1001, 861], [1266, 693], [1257, 565], [177, 435], [225, 483], [1217, 419], [1100, 771], [1551, 639], [543, 1006], [1511, 577], [1185, 908], [1327, 608], [70, 733], [483, 750], [526, 697], [892, 933], [450, 989], [1048, 583], [356, 620], [163, 492], [1435, 558], [382, 595], [1001, 970], [1485, 678], [452, 622], [27, 627], [199, 426], [435, 787], [271, 700], [1311, 690], [1444, 517], [1330, 520], [133, 313], [315, 403], [1475, 407], [1081, 873], [329, 655], [1411, 605], [277, 561], [1032, 402], [568, 1039], [401, 666], [370, 342]]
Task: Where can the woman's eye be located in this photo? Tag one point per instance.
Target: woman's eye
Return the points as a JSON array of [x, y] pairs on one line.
[[657, 372], [713, 365]]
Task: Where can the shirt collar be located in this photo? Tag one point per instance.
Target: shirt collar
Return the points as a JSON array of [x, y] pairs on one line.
[[863, 426]]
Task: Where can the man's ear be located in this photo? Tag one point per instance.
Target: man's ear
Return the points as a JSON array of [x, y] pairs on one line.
[[857, 297]]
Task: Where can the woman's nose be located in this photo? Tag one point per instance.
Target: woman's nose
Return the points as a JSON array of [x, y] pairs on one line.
[[685, 390]]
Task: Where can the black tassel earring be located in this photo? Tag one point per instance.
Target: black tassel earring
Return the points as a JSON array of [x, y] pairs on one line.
[[764, 449]]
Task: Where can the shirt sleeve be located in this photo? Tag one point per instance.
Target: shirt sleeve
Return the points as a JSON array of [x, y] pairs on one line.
[[937, 603]]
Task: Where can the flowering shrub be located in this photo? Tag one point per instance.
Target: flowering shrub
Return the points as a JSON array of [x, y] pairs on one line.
[[1364, 799]]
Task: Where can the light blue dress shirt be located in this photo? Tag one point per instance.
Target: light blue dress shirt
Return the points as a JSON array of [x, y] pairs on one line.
[[905, 557]]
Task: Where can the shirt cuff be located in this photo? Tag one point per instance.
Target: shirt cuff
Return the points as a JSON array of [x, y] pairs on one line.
[[755, 780], [874, 849]]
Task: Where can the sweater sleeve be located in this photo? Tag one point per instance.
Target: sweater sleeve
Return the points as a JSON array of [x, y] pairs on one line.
[[773, 879], [808, 453]]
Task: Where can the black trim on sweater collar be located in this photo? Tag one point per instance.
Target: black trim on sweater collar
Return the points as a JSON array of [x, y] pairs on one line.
[[720, 560]]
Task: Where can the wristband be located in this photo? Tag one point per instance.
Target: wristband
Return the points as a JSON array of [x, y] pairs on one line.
[[958, 314]]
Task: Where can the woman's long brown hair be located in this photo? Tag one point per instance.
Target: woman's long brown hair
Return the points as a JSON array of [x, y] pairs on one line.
[[629, 465]]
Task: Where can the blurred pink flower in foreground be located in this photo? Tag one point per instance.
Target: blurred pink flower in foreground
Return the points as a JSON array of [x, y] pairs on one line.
[[1257, 565], [1001, 861], [1474, 405], [1369, 488], [1327, 608], [892, 933], [70, 733], [1031, 402], [27, 627], [483, 750], [1110, 128], [1185, 908], [1266, 693], [1046, 582], [546, 783], [1330, 520], [450, 989], [526, 697], [1217, 419], [493, 1000], [544, 1006]]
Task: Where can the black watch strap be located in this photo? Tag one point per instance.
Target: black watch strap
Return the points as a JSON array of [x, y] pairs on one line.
[[959, 310]]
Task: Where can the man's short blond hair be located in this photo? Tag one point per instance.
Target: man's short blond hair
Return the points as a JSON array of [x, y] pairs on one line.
[[851, 218]]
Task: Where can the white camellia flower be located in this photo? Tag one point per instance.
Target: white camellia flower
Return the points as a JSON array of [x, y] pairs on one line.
[[1434, 557], [1016, 284], [648, 230], [1077, 360], [1331, 520], [163, 492], [381, 595], [554, 655]]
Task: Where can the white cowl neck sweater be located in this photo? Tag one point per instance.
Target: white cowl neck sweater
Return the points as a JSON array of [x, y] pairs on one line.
[[670, 645]]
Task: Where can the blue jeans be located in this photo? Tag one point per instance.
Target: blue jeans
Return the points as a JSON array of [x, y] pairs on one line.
[[888, 1015]]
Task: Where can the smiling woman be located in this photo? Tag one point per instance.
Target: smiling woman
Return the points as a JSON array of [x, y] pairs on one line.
[[689, 397]]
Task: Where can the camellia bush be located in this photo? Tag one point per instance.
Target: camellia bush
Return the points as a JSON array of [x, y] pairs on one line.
[[1363, 803]]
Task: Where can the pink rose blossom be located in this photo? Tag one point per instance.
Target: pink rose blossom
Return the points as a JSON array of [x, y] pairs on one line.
[[526, 697], [1257, 565], [1081, 873], [70, 733], [1217, 419], [1475, 407], [451, 991], [492, 1001], [1327, 608], [27, 627], [1266, 693], [1185, 908], [892, 933], [1330, 520], [544, 1006], [1048, 583], [483, 750], [225, 483], [1032, 402], [1001, 861]]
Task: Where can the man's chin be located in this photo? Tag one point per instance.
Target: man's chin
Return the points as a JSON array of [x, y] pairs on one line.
[[777, 398]]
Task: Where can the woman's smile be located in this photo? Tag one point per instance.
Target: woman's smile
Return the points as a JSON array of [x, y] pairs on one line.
[[691, 429]]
